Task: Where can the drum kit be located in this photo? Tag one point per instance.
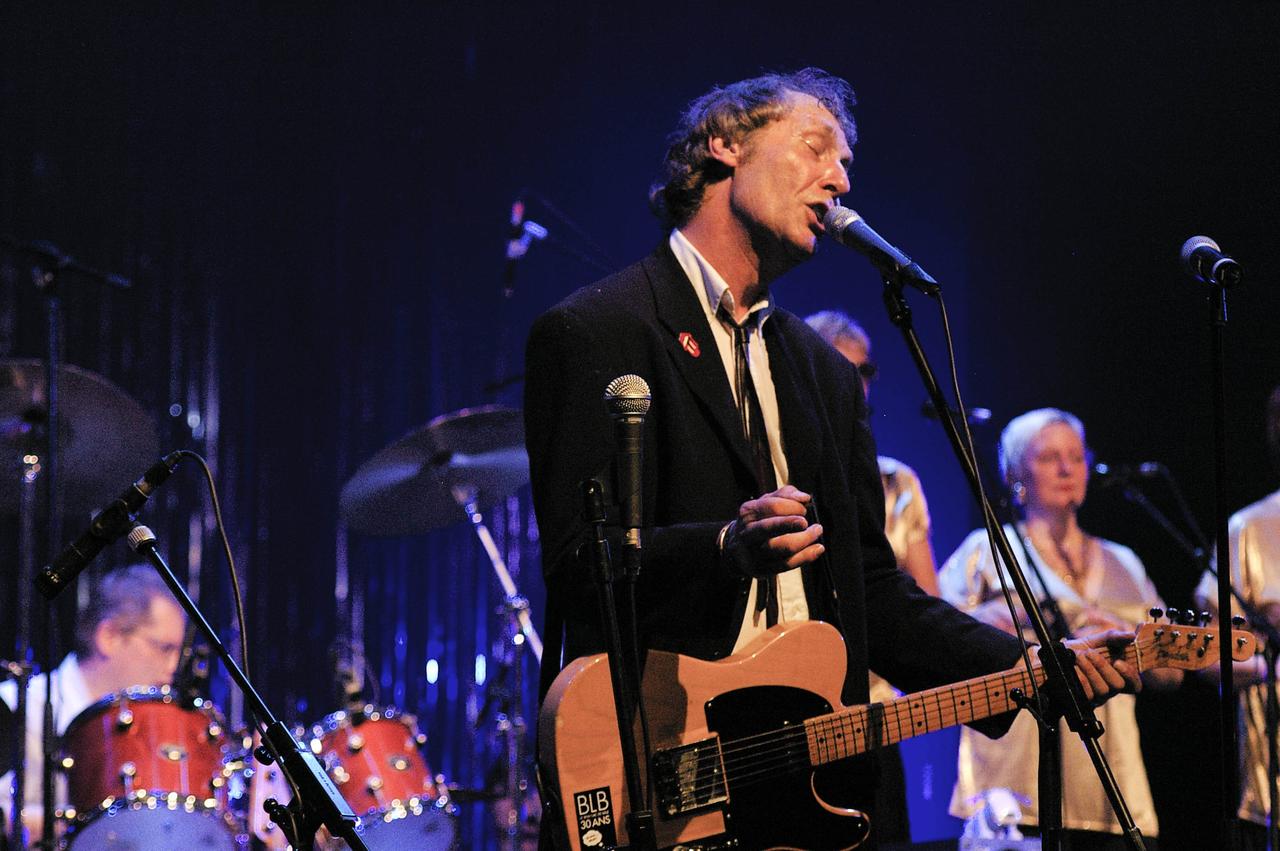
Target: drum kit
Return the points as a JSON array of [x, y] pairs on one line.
[[154, 767]]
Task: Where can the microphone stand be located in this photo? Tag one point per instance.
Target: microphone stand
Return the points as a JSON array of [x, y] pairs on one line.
[[46, 283], [48, 263], [316, 800], [625, 677], [1230, 731], [1257, 621], [1065, 696], [21, 669], [1049, 768]]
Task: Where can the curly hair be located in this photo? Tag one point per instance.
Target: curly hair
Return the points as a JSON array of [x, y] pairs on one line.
[[731, 113]]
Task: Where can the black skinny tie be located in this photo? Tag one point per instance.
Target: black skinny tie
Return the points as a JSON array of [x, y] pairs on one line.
[[753, 429]]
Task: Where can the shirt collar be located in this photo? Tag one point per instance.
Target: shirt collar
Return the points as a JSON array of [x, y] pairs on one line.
[[712, 290], [71, 675]]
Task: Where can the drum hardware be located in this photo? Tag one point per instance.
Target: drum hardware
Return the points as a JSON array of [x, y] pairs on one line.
[[511, 798], [433, 477], [12, 740]]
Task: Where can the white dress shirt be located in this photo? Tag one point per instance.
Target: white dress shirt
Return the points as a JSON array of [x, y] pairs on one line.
[[70, 697], [713, 294]]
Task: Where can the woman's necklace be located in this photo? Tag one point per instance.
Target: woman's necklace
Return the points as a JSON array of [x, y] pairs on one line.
[[1066, 557]]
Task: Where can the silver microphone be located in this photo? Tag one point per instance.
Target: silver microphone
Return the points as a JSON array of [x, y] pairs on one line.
[[849, 229], [627, 399], [1204, 260]]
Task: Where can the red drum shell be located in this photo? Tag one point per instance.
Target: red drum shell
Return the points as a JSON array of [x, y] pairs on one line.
[[142, 741], [375, 758]]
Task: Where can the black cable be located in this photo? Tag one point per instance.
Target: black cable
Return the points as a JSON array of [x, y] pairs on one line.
[[988, 513], [231, 561], [239, 606]]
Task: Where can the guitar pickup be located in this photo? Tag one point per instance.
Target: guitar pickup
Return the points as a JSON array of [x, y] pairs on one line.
[[689, 778]]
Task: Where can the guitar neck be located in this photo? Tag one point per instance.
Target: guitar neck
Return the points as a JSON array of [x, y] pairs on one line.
[[863, 728]]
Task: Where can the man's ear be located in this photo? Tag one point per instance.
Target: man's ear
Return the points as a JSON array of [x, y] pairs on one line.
[[728, 154], [107, 639]]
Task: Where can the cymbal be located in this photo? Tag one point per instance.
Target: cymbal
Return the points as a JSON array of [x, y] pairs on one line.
[[107, 439], [414, 484]]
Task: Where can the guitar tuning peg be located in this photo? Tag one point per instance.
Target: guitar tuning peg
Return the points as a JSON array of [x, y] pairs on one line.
[[1172, 615], [1188, 617], [1204, 618], [1237, 621], [1155, 613]]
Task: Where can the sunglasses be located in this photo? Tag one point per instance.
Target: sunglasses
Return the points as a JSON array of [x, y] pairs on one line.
[[868, 370]]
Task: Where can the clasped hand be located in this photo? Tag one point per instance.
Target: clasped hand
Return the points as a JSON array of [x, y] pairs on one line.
[[771, 534]]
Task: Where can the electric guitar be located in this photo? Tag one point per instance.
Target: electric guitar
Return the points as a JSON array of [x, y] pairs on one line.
[[752, 751]]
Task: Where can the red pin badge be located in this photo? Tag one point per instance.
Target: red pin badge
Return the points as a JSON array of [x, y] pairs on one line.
[[689, 344]]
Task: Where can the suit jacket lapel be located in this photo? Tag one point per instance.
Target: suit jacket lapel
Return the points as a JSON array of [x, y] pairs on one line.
[[801, 430], [679, 311]]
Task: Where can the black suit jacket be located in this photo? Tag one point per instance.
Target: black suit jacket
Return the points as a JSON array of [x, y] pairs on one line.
[[697, 472]]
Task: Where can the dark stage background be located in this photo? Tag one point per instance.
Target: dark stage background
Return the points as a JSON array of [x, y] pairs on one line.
[[312, 207]]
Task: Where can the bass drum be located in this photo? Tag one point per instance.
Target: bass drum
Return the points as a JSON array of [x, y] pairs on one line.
[[374, 756], [145, 772]]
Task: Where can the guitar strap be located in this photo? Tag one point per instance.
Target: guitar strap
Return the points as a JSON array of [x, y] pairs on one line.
[[820, 582], [552, 646]]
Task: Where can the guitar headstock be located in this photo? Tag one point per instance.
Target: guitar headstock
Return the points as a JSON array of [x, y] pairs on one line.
[[1172, 645]]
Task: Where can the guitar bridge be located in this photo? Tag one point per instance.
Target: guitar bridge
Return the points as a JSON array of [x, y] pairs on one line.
[[689, 778]]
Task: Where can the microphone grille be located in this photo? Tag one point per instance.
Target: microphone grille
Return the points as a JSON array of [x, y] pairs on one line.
[[839, 218], [1189, 247], [627, 394]]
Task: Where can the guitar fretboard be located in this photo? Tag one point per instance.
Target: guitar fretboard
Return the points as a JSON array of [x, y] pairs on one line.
[[863, 728]]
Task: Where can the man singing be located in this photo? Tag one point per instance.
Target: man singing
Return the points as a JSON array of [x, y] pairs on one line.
[[758, 427]]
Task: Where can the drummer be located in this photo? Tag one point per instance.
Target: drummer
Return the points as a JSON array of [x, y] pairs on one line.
[[130, 634]]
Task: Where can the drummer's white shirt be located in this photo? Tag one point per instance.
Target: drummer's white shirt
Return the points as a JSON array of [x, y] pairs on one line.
[[70, 697]]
